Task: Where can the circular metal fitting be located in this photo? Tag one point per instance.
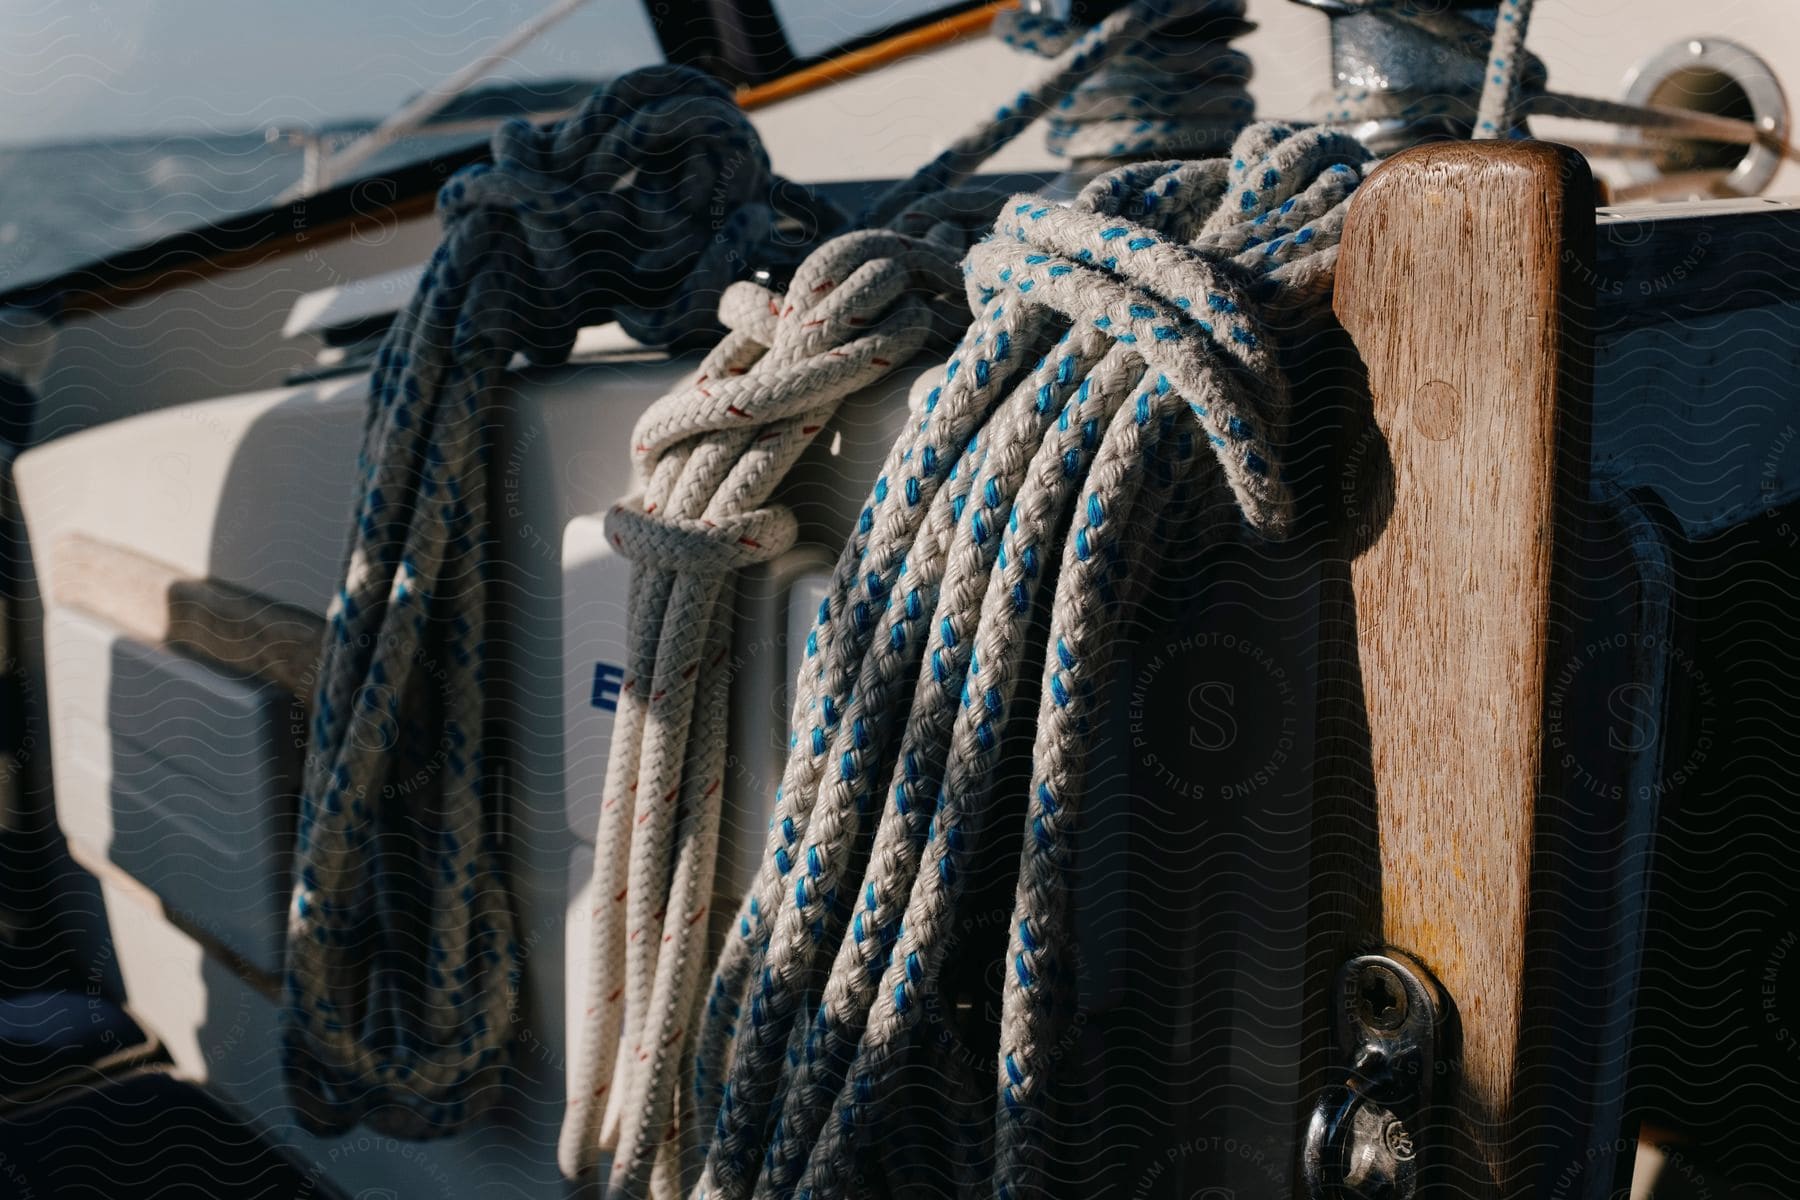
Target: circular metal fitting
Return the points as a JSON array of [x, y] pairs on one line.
[[1721, 78], [1361, 1139]]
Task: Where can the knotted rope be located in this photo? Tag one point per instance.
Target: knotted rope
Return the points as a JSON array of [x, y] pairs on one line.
[[709, 456], [1106, 337], [1276, 214], [1178, 94], [402, 966]]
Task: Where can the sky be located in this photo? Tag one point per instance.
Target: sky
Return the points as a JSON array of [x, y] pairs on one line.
[[72, 69]]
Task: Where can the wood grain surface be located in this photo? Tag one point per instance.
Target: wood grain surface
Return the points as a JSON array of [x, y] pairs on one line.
[[1455, 285]]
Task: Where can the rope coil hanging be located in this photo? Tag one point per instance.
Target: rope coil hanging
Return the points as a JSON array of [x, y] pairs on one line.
[[709, 457], [1108, 339], [402, 966]]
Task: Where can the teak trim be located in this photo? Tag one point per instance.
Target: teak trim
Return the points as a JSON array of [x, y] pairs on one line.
[[1459, 283]]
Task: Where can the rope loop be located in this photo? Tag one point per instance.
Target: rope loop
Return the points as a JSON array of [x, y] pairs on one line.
[[402, 965], [641, 208], [1184, 289], [1052, 455], [708, 456], [853, 311], [1183, 91], [699, 544]]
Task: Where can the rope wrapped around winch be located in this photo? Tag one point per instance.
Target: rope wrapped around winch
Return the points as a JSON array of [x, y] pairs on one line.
[[1479, 77], [1181, 94], [1108, 338], [402, 966], [1091, 72], [1479, 74]]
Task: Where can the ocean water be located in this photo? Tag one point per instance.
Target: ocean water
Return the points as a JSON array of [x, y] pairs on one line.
[[67, 204], [64, 205]]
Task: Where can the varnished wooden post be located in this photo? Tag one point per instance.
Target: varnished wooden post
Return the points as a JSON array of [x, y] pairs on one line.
[[1460, 283]]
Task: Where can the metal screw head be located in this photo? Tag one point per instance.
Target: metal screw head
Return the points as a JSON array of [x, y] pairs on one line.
[[1361, 1137], [1387, 1014], [1380, 997]]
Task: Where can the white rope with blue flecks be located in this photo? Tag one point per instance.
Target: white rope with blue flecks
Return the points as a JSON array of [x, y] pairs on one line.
[[709, 456], [402, 966], [1505, 68], [1102, 334], [1282, 239]]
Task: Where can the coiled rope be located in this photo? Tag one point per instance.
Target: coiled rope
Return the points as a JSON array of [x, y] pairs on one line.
[[1181, 94], [402, 965], [709, 456], [1107, 338]]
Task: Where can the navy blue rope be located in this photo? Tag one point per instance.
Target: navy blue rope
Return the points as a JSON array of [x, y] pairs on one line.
[[402, 965]]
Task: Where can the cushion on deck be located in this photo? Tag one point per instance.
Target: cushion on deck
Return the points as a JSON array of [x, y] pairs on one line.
[[145, 1135], [44, 1034], [209, 619]]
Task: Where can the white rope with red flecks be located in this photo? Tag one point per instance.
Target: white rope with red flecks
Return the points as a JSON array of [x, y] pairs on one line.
[[709, 455]]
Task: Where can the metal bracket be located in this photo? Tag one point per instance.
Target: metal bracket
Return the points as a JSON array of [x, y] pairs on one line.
[[1362, 1139]]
